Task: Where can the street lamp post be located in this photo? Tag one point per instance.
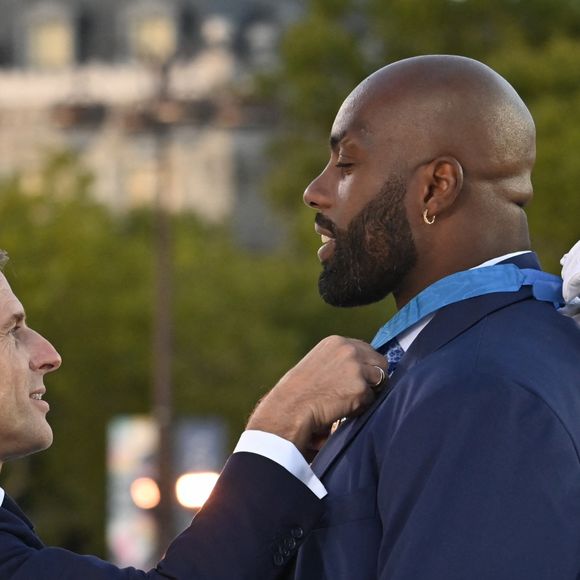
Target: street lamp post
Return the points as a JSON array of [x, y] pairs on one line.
[[162, 113], [162, 323]]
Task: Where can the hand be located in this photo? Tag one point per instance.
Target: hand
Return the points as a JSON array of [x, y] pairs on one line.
[[335, 379]]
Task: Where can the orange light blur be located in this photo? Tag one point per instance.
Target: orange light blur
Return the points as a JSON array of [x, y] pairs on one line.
[[145, 493]]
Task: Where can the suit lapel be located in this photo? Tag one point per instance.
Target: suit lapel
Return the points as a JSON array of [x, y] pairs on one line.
[[448, 323], [10, 505], [347, 431]]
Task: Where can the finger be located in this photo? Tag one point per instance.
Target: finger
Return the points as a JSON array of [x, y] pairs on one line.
[[369, 354], [377, 376], [368, 398]]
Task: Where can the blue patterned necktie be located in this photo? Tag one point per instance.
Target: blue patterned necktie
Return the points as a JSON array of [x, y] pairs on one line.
[[393, 353]]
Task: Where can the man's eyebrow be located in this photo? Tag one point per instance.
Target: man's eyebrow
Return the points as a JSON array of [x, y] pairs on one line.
[[16, 318], [335, 139], [358, 133]]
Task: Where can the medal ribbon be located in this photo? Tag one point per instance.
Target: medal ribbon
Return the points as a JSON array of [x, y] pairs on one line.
[[469, 284]]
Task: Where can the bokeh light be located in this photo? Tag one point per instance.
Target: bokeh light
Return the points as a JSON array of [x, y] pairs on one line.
[[193, 489], [145, 493]]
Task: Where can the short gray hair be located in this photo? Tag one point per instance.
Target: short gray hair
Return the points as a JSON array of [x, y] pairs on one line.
[[4, 257]]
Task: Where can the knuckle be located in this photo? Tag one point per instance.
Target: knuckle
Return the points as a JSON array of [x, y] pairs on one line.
[[331, 340], [348, 349]]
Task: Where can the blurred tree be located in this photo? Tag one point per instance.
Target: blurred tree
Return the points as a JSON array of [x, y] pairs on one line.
[[85, 279]]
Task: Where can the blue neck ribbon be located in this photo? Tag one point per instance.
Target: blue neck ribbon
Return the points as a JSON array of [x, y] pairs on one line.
[[469, 284]]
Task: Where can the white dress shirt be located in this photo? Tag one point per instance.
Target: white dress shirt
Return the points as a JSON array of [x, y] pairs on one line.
[[282, 452]]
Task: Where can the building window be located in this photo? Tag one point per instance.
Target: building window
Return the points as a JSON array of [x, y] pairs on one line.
[[6, 56], [189, 39], [50, 37], [85, 36], [153, 35], [51, 45]]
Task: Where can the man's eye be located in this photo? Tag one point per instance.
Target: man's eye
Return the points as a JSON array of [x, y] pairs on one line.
[[14, 330], [344, 166]]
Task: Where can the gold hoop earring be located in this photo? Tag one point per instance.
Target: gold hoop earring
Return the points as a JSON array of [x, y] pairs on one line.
[[428, 221]]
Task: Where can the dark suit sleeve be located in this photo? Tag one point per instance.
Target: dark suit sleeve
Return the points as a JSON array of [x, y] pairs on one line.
[[481, 481], [253, 522]]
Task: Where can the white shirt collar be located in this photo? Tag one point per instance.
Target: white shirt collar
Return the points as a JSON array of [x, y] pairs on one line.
[[1, 496], [494, 261], [407, 337]]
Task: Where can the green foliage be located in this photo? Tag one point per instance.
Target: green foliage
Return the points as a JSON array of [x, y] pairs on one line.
[[475, 28], [312, 52], [85, 281]]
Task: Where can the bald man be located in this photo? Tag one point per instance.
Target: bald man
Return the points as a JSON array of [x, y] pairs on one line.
[[467, 465]]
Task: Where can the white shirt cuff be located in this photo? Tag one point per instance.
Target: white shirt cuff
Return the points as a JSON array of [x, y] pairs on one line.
[[283, 453]]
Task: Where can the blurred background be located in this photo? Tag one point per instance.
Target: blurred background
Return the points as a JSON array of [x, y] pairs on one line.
[[153, 155]]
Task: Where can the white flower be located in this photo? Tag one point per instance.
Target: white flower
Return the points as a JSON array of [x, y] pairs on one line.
[[571, 287]]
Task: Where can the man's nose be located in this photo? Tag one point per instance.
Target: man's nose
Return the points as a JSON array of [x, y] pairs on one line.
[[317, 194], [44, 357]]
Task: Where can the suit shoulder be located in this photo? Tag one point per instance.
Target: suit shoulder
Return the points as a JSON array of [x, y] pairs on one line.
[[526, 353], [528, 343]]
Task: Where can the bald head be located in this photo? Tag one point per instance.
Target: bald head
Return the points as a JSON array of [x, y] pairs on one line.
[[437, 105]]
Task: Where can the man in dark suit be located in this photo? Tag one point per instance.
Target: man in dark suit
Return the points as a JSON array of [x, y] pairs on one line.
[[467, 466], [266, 500]]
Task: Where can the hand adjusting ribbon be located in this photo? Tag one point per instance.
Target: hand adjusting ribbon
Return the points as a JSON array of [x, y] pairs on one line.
[[469, 284]]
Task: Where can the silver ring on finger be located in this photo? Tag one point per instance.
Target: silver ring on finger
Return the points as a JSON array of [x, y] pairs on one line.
[[382, 377]]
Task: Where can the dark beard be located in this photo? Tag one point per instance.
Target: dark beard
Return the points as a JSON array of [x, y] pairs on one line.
[[373, 255]]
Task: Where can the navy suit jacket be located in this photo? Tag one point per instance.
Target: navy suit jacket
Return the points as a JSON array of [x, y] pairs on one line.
[[468, 467], [245, 531]]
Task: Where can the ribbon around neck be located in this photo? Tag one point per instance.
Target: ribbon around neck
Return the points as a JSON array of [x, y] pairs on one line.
[[469, 284]]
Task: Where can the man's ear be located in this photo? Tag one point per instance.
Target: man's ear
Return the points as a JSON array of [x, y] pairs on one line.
[[442, 181]]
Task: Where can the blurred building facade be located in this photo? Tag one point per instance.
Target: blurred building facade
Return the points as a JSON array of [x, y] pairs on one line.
[[87, 76]]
